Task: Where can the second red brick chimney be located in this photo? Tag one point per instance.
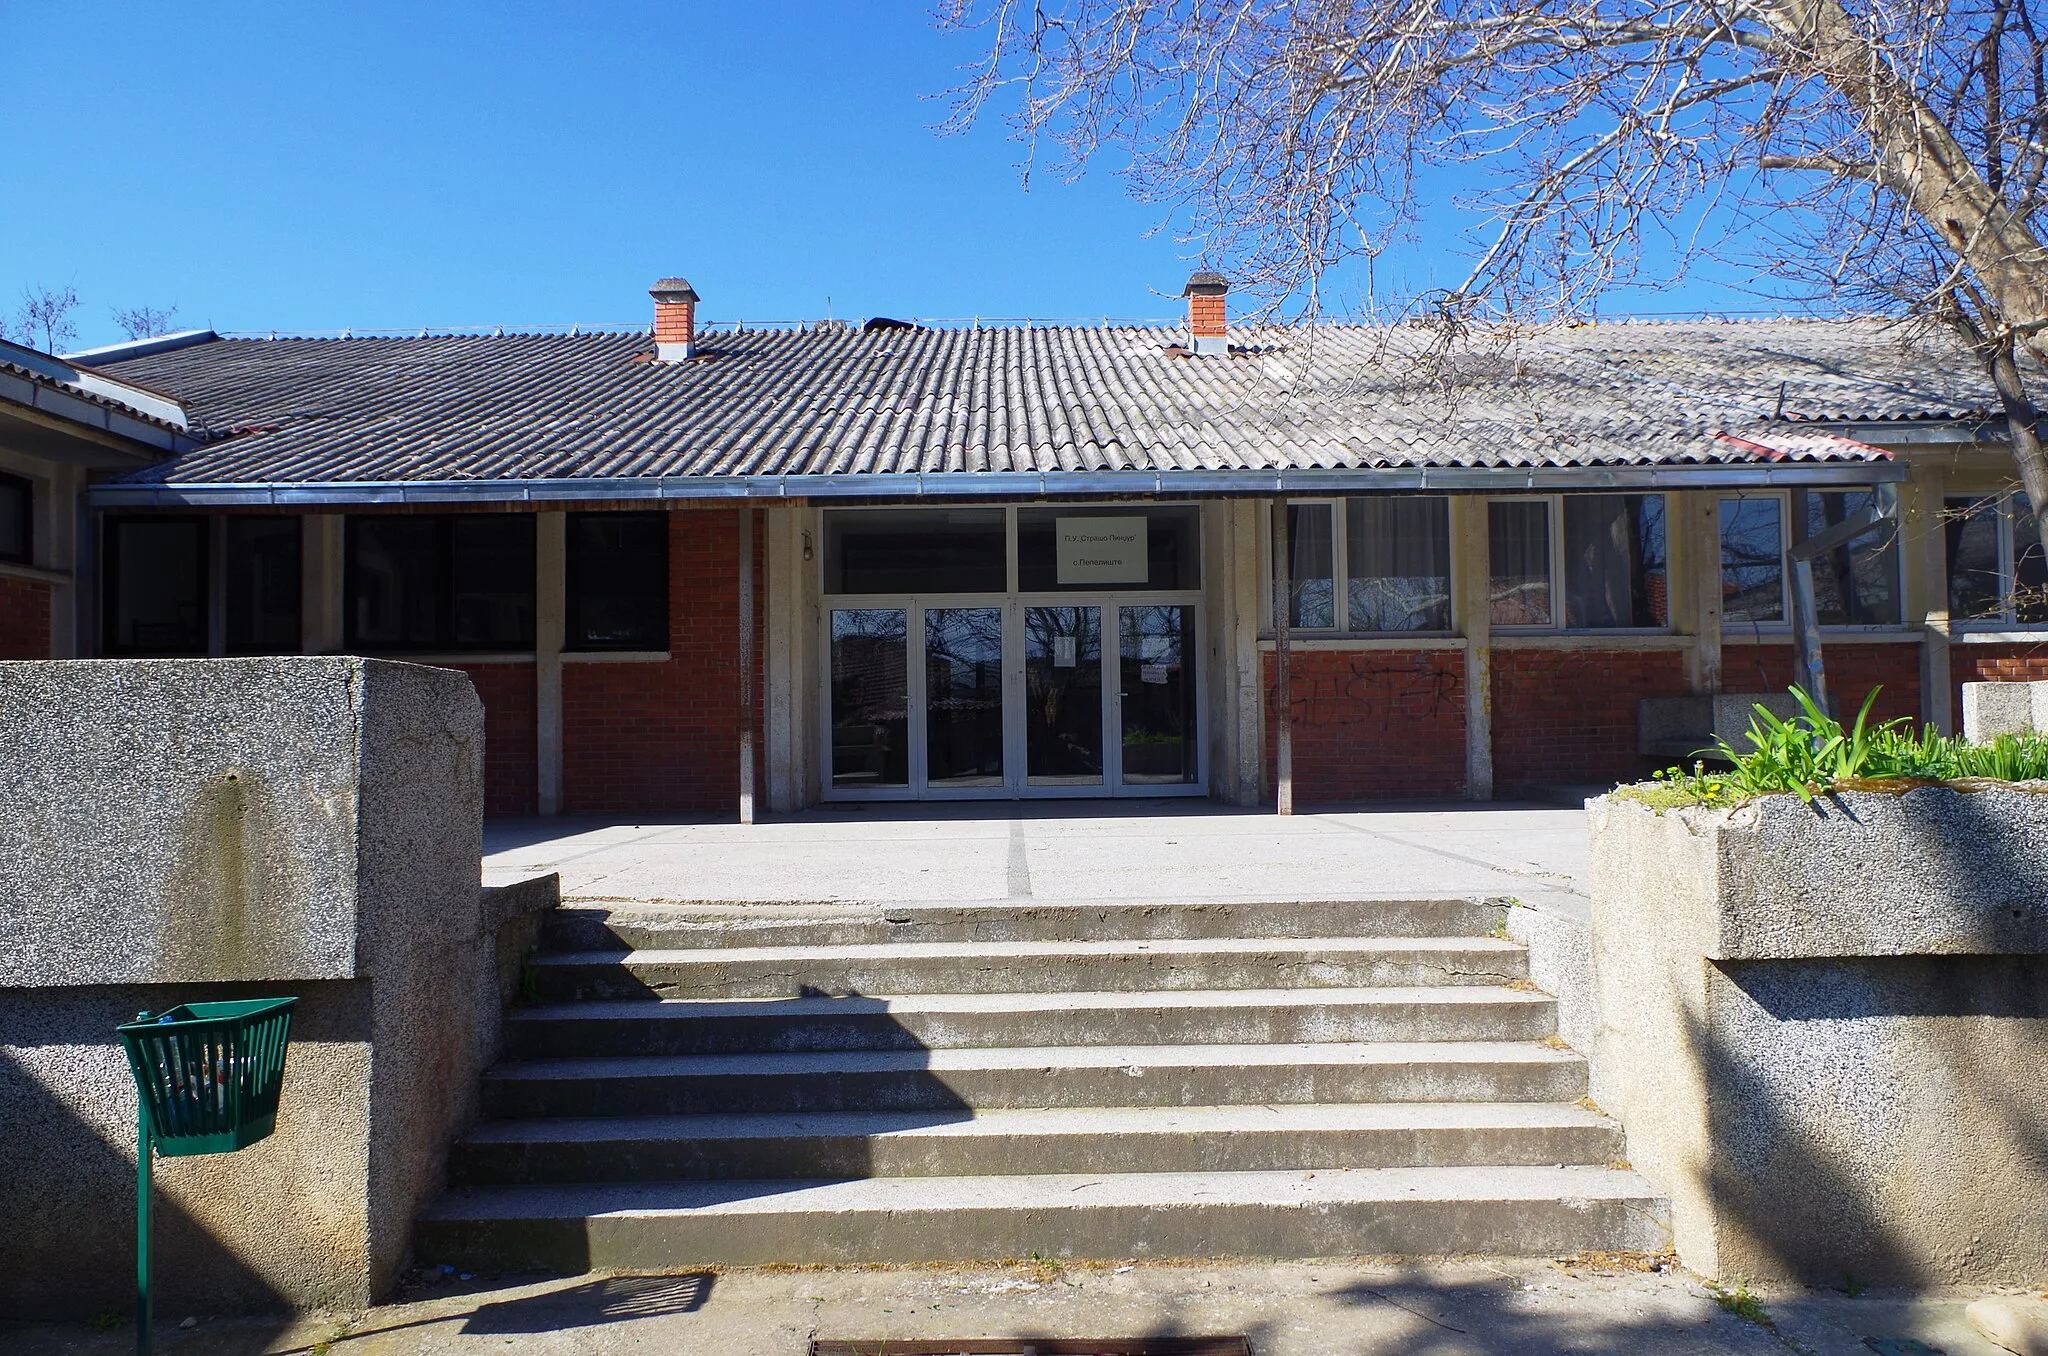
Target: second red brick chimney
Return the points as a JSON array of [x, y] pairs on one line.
[[1207, 322], [675, 319]]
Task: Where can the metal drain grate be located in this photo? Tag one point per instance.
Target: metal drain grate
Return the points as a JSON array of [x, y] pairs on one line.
[[1036, 1346]]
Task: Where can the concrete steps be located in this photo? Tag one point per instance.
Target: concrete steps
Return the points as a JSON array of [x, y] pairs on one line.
[[1385, 1211], [804, 1083], [1030, 967], [1056, 1076], [668, 927], [932, 1021], [1034, 1140]]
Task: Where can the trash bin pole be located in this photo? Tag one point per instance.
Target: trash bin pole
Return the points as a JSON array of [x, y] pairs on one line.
[[142, 1165]]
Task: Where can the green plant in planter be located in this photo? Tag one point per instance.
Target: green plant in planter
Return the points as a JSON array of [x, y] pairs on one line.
[[1811, 752]]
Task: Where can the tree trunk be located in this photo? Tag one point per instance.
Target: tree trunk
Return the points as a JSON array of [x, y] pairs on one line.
[[1921, 160]]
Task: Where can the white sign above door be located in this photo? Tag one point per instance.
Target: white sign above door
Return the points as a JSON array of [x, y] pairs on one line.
[[1101, 550]]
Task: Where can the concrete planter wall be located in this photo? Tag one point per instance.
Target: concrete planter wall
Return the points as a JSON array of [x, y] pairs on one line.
[[181, 830], [1825, 1029]]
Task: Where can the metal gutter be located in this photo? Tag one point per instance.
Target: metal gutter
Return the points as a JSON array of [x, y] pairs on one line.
[[1007, 484]]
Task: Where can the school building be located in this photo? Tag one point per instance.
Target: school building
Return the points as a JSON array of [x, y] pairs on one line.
[[693, 565]]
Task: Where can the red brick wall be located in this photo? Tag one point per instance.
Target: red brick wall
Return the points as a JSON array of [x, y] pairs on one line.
[[1374, 724], [24, 619], [1569, 715], [511, 749], [1852, 670], [1993, 664], [661, 738]]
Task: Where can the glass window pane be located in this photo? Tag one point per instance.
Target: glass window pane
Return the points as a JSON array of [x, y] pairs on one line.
[[17, 503], [1398, 563], [617, 581], [1752, 561], [2030, 567], [1857, 583], [156, 586], [263, 586], [1156, 654], [963, 696], [1970, 531], [870, 697], [397, 583], [1063, 696], [1051, 558], [915, 551], [1519, 537], [1614, 562], [1311, 567], [493, 573]]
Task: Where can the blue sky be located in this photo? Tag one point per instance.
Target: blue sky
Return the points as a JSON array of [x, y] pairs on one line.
[[303, 167]]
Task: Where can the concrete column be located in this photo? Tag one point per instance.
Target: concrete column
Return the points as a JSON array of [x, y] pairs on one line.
[[1246, 572], [1230, 589], [746, 666], [1923, 555], [58, 529], [1699, 528], [1471, 557], [550, 614], [790, 607], [321, 588]]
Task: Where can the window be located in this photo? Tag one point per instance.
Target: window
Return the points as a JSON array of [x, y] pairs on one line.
[[1518, 543], [1602, 556], [1395, 553], [1857, 583], [1127, 547], [916, 551], [1615, 572], [1753, 560], [1996, 571], [263, 589], [441, 582], [17, 519], [617, 581], [156, 586]]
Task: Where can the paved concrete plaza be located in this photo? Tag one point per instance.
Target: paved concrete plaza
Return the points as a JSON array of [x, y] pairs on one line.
[[1466, 1308], [1162, 849]]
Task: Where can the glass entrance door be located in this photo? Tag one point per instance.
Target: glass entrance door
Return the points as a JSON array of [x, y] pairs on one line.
[[1037, 696], [1157, 718], [1063, 696]]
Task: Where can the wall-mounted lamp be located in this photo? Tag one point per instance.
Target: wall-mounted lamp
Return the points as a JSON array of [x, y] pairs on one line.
[[807, 543]]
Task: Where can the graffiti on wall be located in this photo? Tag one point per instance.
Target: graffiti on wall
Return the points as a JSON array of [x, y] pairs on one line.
[[1375, 692]]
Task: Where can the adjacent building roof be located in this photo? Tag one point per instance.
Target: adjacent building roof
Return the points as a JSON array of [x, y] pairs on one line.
[[960, 409], [56, 407]]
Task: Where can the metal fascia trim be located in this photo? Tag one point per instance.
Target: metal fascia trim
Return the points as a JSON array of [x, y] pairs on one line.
[[1019, 484]]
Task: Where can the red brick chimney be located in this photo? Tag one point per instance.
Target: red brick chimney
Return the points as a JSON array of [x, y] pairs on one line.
[[1206, 316], [675, 319]]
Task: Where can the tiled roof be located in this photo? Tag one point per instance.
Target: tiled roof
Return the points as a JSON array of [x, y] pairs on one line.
[[83, 396], [835, 400]]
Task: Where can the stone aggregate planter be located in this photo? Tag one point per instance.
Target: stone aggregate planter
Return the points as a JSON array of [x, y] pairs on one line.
[[1825, 1029]]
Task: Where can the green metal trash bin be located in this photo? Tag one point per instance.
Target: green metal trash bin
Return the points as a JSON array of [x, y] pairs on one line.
[[207, 1077]]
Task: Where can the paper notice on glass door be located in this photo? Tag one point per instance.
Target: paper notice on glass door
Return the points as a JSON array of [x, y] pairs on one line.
[[1152, 673], [1063, 652]]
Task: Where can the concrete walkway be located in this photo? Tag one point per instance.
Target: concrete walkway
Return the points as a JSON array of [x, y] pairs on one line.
[[1466, 1308], [1058, 851]]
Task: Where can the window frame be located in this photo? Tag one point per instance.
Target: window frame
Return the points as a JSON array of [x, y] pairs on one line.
[[110, 572], [225, 534], [1791, 534], [28, 518], [572, 641], [1559, 603], [2006, 524], [1340, 571], [445, 547]]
